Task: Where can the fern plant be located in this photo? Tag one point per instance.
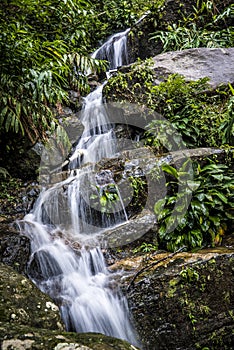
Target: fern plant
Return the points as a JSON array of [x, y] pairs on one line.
[[205, 27]]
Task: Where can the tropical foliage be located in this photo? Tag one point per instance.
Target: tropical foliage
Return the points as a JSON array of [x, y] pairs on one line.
[[44, 49], [205, 26], [43, 53], [201, 212], [202, 116], [114, 15], [209, 214]]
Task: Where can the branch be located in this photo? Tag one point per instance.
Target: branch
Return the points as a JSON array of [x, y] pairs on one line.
[[151, 265]]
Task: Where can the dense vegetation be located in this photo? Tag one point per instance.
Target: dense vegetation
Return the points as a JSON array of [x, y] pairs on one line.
[[45, 48], [44, 51], [203, 117], [204, 25], [202, 219]]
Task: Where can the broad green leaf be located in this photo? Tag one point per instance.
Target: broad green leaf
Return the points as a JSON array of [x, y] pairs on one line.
[[217, 176], [230, 215], [4, 111], [215, 220], [103, 201], [209, 197], [201, 197], [18, 109], [200, 207], [159, 205], [8, 121], [193, 185], [171, 200], [164, 213], [162, 231], [213, 168], [170, 170], [205, 225], [221, 196]]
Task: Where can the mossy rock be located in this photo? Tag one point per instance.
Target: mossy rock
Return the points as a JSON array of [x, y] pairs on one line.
[[23, 303], [26, 337], [185, 302]]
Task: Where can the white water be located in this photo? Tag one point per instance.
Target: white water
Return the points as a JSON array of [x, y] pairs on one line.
[[97, 141], [66, 262], [114, 50]]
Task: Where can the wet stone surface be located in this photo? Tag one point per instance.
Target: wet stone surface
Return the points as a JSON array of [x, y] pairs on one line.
[[184, 302]]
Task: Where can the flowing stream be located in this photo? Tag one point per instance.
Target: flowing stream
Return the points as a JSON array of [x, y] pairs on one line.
[[66, 261]]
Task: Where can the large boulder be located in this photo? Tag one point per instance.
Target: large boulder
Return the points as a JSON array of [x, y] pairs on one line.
[[183, 301], [23, 303], [213, 63]]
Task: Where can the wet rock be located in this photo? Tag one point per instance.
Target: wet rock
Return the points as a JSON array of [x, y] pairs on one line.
[[14, 250], [48, 269], [73, 126], [129, 231], [24, 337], [184, 301]]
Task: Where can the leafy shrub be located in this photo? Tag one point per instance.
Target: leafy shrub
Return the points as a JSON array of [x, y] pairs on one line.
[[202, 116], [210, 212]]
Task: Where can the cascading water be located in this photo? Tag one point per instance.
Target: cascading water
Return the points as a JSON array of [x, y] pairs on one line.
[[114, 50], [97, 141], [66, 262]]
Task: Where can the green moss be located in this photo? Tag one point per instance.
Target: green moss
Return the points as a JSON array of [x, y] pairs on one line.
[[18, 336], [212, 261], [174, 282], [189, 275], [172, 288]]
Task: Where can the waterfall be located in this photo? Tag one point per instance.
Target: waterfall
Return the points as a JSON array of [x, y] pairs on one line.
[[114, 50], [66, 261], [97, 141]]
